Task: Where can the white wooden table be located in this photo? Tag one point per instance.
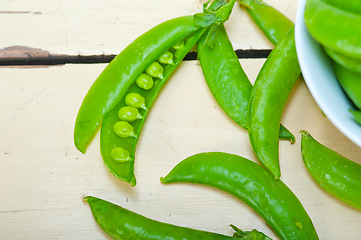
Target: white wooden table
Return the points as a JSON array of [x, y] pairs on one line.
[[43, 177]]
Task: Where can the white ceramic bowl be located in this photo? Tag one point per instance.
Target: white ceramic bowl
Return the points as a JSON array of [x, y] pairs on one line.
[[321, 81]]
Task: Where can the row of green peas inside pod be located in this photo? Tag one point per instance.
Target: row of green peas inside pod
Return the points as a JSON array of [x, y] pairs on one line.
[[134, 101]]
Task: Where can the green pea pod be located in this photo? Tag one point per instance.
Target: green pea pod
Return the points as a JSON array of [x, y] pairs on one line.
[[336, 174], [252, 184], [112, 84], [270, 21], [119, 152], [352, 64], [109, 140], [123, 224], [357, 115], [268, 98], [226, 79], [334, 28], [353, 6], [350, 82]]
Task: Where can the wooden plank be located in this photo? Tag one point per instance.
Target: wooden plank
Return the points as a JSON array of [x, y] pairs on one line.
[[90, 27], [43, 177]]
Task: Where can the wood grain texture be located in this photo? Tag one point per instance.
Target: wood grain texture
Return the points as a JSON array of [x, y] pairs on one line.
[[43, 177], [92, 27]]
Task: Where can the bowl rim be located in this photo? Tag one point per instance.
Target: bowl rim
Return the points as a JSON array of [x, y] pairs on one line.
[[312, 56]]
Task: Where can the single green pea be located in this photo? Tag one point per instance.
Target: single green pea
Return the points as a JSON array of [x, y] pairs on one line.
[[155, 70], [178, 45], [120, 155], [166, 58], [124, 129], [135, 100], [145, 81], [129, 114]]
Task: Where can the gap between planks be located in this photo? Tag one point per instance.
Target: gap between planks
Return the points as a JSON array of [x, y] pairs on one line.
[[27, 56]]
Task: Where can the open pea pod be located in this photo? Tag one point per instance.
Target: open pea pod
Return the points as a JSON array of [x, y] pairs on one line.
[[112, 84], [121, 127], [121, 163]]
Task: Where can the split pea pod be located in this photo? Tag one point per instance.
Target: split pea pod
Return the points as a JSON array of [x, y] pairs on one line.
[[112, 84], [123, 224], [252, 184], [121, 164], [272, 87], [350, 82], [334, 28], [118, 137], [226, 79], [336, 174]]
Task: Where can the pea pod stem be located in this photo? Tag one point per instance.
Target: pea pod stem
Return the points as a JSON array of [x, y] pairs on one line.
[[250, 183], [336, 174], [123, 224], [226, 79]]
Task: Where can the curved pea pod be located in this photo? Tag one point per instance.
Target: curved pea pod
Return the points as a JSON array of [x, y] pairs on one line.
[[109, 139], [268, 98], [252, 184], [357, 116], [350, 63], [334, 28], [226, 79], [353, 6], [270, 21], [117, 149], [123, 224], [336, 174], [350, 82], [112, 84]]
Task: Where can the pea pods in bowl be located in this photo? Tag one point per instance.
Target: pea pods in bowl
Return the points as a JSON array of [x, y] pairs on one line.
[[318, 72]]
